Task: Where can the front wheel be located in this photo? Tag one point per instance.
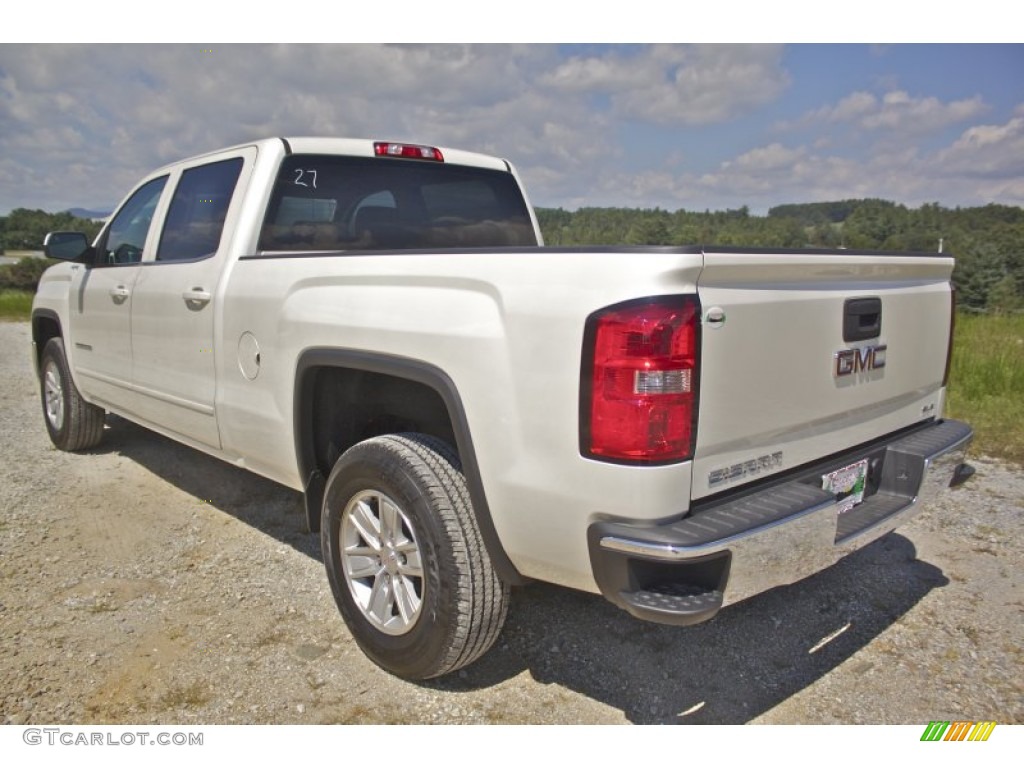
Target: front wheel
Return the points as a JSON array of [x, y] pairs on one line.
[[405, 558], [73, 424]]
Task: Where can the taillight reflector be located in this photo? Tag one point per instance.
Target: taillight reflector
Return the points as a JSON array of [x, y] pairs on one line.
[[639, 381], [415, 151]]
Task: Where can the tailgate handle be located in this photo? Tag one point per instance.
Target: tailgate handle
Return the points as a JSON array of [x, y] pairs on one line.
[[862, 319]]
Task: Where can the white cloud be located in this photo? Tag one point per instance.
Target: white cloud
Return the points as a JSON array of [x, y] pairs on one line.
[[995, 152], [902, 113], [80, 124], [984, 164], [856, 106], [123, 110], [689, 85], [763, 176], [770, 159], [896, 112]]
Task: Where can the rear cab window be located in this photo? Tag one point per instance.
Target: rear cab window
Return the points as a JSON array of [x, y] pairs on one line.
[[331, 202]]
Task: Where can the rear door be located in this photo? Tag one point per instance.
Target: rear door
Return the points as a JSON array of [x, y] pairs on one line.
[[805, 355], [175, 304]]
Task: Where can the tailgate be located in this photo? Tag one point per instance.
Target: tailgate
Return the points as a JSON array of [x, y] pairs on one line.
[[783, 382]]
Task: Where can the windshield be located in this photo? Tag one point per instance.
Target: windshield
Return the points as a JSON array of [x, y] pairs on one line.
[[328, 202]]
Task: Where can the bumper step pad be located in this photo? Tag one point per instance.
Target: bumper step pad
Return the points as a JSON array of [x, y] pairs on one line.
[[676, 600]]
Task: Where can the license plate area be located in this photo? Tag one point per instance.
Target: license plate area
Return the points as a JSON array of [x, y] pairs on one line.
[[847, 484]]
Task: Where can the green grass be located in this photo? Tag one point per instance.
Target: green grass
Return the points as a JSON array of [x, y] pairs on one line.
[[15, 305], [986, 387]]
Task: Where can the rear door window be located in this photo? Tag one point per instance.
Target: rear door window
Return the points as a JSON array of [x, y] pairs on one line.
[[195, 219]]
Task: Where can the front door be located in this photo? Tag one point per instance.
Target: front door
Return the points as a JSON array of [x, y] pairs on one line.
[[102, 298]]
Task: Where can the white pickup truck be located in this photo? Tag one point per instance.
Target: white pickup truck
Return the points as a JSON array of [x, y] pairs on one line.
[[377, 325]]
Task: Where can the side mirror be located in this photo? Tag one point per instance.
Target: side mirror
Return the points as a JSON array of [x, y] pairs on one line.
[[66, 246]]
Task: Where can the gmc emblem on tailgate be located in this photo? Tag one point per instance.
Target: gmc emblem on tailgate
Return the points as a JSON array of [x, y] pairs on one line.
[[860, 360]]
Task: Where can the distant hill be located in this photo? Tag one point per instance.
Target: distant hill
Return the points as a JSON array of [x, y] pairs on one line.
[[85, 213]]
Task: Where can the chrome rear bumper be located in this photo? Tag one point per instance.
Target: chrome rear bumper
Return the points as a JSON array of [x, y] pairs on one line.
[[683, 572]]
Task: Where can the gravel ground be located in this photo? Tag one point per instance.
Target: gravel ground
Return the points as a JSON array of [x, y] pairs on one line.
[[145, 582]]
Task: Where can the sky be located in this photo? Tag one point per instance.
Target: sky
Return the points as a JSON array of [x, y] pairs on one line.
[[670, 125]]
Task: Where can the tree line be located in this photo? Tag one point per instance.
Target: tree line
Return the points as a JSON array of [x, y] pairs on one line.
[[23, 229], [987, 241]]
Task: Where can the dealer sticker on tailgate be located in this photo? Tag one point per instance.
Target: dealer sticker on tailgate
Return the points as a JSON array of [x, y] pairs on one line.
[[847, 484]]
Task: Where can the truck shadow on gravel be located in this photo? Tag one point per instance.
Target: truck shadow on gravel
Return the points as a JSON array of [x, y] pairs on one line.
[[265, 505], [751, 657], [748, 659]]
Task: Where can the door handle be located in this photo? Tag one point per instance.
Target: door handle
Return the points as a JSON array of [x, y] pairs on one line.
[[196, 299], [119, 294]]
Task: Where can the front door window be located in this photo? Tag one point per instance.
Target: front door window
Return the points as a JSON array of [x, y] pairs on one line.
[[127, 234]]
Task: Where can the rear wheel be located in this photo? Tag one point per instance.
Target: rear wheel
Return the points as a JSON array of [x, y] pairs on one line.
[[405, 558], [73, 424]]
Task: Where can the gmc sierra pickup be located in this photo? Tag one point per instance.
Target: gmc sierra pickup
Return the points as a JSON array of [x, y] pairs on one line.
[[378, 325]]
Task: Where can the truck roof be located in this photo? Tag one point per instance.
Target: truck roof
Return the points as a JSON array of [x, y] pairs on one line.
[[334, 145]]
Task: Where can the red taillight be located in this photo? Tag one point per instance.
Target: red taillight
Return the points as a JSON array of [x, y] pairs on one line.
[[639, 386], [415, 151]]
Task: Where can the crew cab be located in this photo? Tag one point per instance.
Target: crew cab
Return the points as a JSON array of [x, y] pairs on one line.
[[377, 325]]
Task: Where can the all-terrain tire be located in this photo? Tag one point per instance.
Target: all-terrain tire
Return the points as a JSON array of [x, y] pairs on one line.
[[404, 555], [73, 424]]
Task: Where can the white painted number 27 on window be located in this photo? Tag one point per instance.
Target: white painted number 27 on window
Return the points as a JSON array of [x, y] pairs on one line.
[[305, 178]]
